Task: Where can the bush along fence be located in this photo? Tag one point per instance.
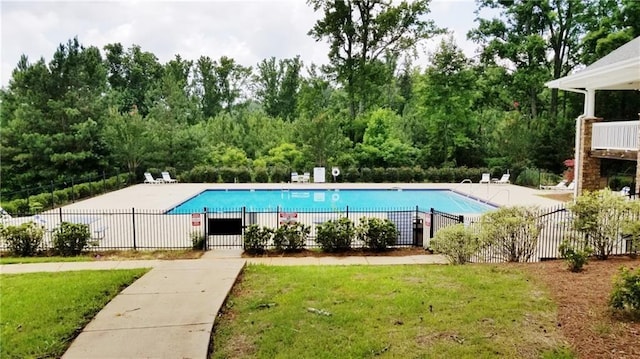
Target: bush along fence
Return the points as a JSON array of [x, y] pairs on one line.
[[601, 223], [137, 229], [55, 194]]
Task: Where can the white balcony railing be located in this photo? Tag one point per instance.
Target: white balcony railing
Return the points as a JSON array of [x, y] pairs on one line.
[[622, 135]]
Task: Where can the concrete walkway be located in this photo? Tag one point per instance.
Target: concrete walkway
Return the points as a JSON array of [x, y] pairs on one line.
[[170, 311]]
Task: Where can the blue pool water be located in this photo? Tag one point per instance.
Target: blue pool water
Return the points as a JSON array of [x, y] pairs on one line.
[[355, 199]]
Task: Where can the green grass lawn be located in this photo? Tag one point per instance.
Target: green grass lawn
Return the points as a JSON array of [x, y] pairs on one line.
[[473, 311], [40, 313]]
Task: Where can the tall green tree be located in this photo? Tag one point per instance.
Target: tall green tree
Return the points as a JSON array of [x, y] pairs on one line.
[[276, 86], [132, 75], [128, 137], [445, 99], [361, 32]]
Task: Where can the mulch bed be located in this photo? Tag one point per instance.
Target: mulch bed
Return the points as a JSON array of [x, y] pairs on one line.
[[408, 251], [583, 313]]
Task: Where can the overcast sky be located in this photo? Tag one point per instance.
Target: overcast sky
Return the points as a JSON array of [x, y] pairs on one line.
[[246, 30]]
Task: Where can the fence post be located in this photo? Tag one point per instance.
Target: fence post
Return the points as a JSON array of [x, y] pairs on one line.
[[205, 222], [278, 217], [60, 211], [133, 221], [432, 218], [347, 212], [244, 225], [104, 183]]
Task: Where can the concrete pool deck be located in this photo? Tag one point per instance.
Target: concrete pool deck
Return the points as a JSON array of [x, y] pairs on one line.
[[167, 196]]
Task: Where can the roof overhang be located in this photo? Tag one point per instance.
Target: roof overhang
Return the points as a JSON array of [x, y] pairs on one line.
[[623, 75], [619, 70]]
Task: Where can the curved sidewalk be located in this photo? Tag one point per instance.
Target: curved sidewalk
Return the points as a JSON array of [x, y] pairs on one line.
[[170, 311]]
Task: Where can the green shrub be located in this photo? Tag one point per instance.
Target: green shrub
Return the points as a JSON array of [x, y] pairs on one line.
[[280, 174], [625, 296], [600, 215], [335, 235], [23, 240], [44, 199], [377, 234], [228, 174], [575, 258], [405, 174], [198, 240], [201, 174], [261, 175], [366, 174], [291, 237], [392, 175], [83, 190], [61, 196], [631, 229], [512, 232], [378, 174], [244, 175], [257, 239], [457, 242], [70, 239], [418, 174], [351, 175], [529, 177]]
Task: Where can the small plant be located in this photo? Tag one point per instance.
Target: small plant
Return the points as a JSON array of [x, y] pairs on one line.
[[575, 258], [377, 234], [70, 239], [335, 235], [512, 231], [600, 215], [256, 239], [631, 231], [23, 240], [291, 237], [625, 296], [458, 243], [197, 240]]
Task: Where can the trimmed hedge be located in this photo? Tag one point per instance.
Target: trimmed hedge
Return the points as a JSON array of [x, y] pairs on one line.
[[46, 200]]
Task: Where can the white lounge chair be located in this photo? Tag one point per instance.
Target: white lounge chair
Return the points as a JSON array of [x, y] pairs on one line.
[[305, 177], [560, 186], [504, 179], [148, 178], [295, 177], [486, 178], [167, 178]]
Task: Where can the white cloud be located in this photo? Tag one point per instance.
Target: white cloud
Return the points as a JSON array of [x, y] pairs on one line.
[[246, 30]]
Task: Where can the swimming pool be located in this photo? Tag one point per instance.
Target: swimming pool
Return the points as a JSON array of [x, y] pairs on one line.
[[330, 200]]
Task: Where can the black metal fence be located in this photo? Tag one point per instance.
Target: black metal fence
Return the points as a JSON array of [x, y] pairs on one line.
[[555, 227], [211, 228], [152, 229]]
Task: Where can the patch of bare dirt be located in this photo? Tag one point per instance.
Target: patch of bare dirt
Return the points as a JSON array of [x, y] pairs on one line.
[[159, 254], [397, 252], [583, 313]]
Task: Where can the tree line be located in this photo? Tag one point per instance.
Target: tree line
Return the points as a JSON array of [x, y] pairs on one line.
[[87, 111]]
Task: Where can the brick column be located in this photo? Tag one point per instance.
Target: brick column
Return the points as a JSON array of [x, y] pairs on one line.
[[638, 163], [589, 170]]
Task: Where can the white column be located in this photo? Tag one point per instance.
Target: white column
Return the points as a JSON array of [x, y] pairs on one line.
[[590, 103]]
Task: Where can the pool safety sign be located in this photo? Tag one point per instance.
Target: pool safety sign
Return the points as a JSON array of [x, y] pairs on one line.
[[195, 219], [288, 217]]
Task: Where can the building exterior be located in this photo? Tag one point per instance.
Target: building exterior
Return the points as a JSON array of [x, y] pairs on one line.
[[595, 140]]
